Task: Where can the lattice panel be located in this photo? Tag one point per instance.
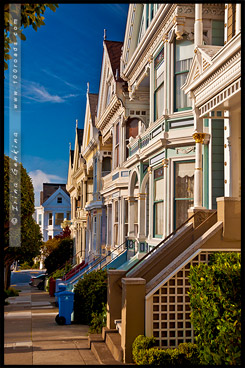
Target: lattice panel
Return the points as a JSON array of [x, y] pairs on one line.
[[171, 308]]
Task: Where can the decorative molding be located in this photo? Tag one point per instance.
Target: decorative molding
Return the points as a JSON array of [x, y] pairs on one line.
[[199, 137], [185, 150], [165, 162]]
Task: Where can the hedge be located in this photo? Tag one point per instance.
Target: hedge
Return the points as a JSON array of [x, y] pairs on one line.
[[90, 293], [144, 353], [215, 298]]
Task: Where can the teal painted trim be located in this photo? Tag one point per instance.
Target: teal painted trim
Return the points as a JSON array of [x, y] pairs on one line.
[[206, 176], [206, 122], [183, 118], [154, 203]]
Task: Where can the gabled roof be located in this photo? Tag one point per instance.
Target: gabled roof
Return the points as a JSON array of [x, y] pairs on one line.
[[114, 49], [49, 189], [93, 102], [60, 191], [201, 61]]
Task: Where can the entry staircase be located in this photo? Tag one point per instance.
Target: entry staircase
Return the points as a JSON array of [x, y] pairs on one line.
[[113, 259], [182, 242]]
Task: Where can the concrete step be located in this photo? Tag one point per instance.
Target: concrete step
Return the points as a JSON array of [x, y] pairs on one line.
[[103, 354], [94, 338], [113, 341]]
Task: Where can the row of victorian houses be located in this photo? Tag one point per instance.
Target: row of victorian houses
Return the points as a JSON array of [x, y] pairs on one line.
[[161, 142]]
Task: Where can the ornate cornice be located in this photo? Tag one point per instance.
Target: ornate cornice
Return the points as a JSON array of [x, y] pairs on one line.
[[108, 113]]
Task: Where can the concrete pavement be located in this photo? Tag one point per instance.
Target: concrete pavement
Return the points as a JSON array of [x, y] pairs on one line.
[[32, 337]]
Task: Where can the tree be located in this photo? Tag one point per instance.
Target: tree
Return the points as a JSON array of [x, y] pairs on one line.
[[31, 14], [31, 237], [61, 255], [51, 244]]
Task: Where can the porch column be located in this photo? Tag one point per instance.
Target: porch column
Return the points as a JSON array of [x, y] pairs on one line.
[[238, 18], [83, 241], [199, 138], [84, 192], [198, 27], [165, 170], [141, 216], [131, 201], [150, 204]]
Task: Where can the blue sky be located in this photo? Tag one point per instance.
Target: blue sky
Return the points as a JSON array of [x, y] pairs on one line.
[[57, 61]]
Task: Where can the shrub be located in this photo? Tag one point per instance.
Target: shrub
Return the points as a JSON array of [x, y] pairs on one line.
[[90, 293], [58, 274], [215, 298], [11, 291], [98, 321], [59, 255], [25, 266], [144, 353]]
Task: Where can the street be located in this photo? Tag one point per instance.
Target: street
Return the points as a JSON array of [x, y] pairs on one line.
[[31, 335]]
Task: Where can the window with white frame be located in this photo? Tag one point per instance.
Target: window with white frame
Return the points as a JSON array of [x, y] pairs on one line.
[[125, 217], [59, 200], [116, 208], [95, 175], [50, 218], [59, 218], [116, 148], [40, 219], [184, 51], [158, 202], [159, 84]]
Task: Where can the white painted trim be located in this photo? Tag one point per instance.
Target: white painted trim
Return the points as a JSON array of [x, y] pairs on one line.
[[173, 273]]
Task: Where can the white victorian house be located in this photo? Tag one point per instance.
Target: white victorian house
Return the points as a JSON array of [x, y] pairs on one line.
[[54, 208]]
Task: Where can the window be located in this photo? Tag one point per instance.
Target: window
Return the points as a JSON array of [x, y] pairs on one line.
[[116, 223], [158, 202], [68, 216], [135, 218], [231, 28], [217, 32], [50, 219], [59, 218], [184, 50], [159, 84], [116, 152], [59, 200], [40, 219], [50, 237], [131, 131], [106, 166], [183, 190]]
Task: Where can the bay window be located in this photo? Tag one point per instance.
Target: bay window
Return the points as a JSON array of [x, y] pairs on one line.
[[184, 50], [159, 84], [158, 202]]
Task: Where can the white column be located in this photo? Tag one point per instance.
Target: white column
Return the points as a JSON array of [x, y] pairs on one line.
[[199, 137], [238, 18], [150, 235], [141, 216], [84, 192], [198, 26], [165, 172]]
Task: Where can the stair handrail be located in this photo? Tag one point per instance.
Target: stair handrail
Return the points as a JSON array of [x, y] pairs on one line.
[[161, 243], [102, 259], [85, 267]]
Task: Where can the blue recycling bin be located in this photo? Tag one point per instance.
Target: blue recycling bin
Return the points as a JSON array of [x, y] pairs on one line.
[[61, 287], [66, 302]]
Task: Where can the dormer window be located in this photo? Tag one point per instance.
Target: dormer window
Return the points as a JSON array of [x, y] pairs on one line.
[[59, 200]]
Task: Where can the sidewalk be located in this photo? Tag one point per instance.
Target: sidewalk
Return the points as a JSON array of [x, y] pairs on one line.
[[32, 337]]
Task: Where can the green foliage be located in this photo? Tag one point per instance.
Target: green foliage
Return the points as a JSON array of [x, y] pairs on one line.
[[31, 237], [59, 256], [31, 15], [144, 353], [215, 298], [11, 291], [58, 274], [98, 321], [90, 294]]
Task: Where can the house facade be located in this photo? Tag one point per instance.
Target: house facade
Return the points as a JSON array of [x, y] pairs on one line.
[[54, 208], [162, 151]]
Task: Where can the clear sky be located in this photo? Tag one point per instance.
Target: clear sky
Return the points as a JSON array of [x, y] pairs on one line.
[[57, 62]]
